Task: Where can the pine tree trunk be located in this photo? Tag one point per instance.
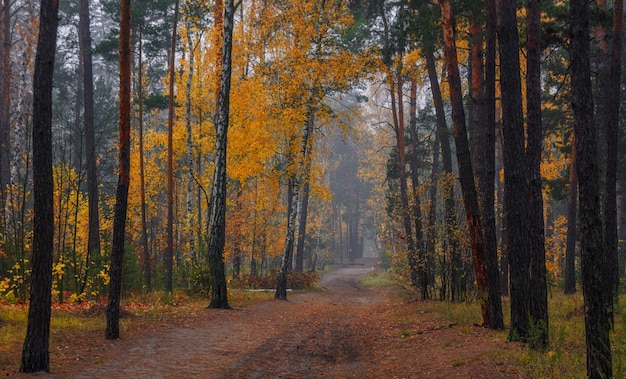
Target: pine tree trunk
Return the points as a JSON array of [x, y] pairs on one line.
[[35, 352], [121, 198], [466, 172], [169, 251], [515, 187], [534, 145], [599, 363], [93, 244], [217, 223]]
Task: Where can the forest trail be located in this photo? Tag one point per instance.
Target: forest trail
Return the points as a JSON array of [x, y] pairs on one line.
[[346, 331]]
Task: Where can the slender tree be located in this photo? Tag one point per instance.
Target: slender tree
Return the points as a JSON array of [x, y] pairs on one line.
[[572, 206], [93, 242], [35, 353], [217, 220], [466, 172], [515, 187], [599, 363], [169, 252], [538, 286], [112, 330]]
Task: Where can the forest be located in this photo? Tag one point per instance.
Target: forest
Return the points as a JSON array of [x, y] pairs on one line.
[[472, 147]]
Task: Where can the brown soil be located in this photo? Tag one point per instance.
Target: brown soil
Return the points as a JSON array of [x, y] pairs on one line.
[[346, 331]]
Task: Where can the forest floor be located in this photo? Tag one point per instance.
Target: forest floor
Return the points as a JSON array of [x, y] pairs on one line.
[[345, 331]]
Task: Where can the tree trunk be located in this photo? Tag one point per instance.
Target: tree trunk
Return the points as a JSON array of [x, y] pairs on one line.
[[121, 198], [217, 234], [35, 352], [5, 112], [484, 159], [515, 187], [169, 251], [446, 160], [466, 176], [534, 145], [147, 271], [303, 208], [190, 157], [599, 364], [93, 244], [422, 265], [295, 183], [570, 246]]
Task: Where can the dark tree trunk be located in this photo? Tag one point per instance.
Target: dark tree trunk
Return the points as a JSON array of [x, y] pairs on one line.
[[446, 160], [121, 200], [217, 234], [599, 364], [466, 176], [304, 208], [572, 206], [147, 271], [169, 250], [484, 159], [515, 187], [93, 244], [504, 259], [35, 353], [422, 266], [5, 105], [538, 285]]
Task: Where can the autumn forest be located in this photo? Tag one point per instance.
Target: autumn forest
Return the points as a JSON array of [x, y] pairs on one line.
[[471, 147]]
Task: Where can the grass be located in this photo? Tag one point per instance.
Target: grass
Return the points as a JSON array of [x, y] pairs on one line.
[[377, 278]]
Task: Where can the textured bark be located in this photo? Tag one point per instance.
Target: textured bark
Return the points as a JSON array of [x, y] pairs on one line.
[[35, 352], [93, 243], [599, 364], [466, 172], [422, 265], [5, 104], [303, 207], [217, 219], [515, 187], [169, 250], [484, 159], [446, 160], [538, 286], [147, 270], [572, 206], [121, 197]]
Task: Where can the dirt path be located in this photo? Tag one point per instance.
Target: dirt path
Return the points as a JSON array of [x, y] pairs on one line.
[[347, 331]]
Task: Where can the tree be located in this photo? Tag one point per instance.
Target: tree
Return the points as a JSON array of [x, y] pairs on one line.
[[169, 251], [93, 244], [538, 287], [466, 176], [217, 233], [121, 197], [515, 187], [35, 353], [599, 363], [572, 206]]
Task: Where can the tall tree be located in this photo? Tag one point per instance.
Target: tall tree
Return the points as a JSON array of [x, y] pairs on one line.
[[169, 252], [538, 287], [35, 353], [93, 242], [112, 330], [217, 221], [485, 164], [515, 187], [5, 104], [466, 172], [599, 362]]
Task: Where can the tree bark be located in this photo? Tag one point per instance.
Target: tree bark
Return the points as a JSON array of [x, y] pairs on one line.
[[93, 243], [484, 159], [534, 145], [515, 187], [217, 233], [5, 106], [121, 198], [147, 270], [35, 352], [572, 206], [169, 251], [466, 172], [599, 363]]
